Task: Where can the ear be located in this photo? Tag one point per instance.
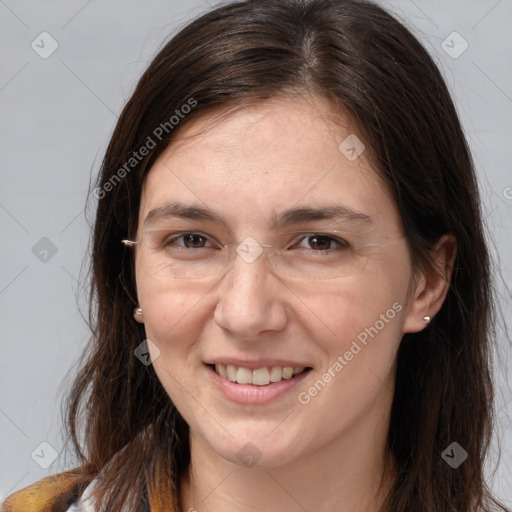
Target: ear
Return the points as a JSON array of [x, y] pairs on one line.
[[431, 285]]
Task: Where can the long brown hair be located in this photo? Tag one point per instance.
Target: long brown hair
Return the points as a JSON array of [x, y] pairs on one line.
[[367, 64]]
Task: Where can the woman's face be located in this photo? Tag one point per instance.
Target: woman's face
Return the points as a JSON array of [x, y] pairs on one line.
[[279, 172]]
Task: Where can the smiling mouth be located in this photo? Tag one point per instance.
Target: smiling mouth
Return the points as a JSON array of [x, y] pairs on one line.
[[259, 376]]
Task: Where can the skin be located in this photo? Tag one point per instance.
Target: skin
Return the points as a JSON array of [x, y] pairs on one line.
[[327, 454]]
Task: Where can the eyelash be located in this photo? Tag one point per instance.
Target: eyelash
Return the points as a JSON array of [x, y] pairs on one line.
[[342, 244]]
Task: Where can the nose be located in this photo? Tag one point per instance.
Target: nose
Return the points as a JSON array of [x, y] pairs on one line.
[[250, 300]]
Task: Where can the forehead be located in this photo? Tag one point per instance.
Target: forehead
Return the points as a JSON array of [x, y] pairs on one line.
[[262, 159]]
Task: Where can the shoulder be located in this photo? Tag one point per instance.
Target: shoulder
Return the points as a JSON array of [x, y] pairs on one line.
[[55, 493]]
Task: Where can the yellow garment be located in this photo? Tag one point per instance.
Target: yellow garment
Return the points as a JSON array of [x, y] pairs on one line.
[[56, 493], [51, 494]]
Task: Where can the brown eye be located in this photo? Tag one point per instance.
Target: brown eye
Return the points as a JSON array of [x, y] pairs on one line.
[[187, 241], [320, 242], [193, 240]]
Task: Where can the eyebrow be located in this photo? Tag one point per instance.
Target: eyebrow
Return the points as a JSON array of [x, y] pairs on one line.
[[285, 218]]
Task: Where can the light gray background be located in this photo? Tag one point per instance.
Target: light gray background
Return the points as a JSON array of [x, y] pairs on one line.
[[56, 118]]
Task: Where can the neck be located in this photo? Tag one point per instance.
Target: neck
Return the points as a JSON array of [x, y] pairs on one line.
[[347, 475]]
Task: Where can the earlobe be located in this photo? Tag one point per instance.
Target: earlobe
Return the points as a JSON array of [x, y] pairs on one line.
[[433, 285]]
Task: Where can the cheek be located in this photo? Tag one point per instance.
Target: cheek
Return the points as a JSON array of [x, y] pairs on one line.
[[170, 312], [364, 316], [351, 307], [173, 320], [358, 369]]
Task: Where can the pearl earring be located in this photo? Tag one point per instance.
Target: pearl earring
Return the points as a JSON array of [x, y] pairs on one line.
[[426, 319], [137, 312]]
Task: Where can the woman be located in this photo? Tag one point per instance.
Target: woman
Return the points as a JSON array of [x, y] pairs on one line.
[[291, 294]]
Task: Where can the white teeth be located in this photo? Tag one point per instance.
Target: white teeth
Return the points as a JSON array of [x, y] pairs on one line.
[[287, 372], [231, 371], [221, 370], [259, 376], [243, 375], [276, 374]]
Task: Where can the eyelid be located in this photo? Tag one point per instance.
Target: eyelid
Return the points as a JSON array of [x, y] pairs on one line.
[[342, 243], [176, 236], [303, 235]]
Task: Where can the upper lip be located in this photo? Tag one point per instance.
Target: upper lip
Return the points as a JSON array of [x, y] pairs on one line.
[[257, 363]]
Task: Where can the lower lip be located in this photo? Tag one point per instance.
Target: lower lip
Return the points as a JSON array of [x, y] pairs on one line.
[[250, 393]]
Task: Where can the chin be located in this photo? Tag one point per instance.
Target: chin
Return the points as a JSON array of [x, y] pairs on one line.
[[256, 448]]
